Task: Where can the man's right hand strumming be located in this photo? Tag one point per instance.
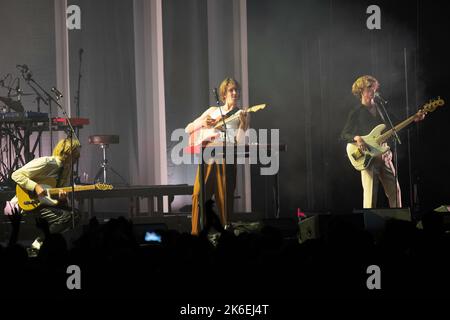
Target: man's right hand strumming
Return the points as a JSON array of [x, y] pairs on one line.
[[360, 143], [40, 191]]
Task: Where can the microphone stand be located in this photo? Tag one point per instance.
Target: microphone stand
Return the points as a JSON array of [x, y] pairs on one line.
[[48, 100], [396, 140], [224, 171], [26, 74], [38, 102], [77, 102], [413, 195], [71, 133], [77, 97]]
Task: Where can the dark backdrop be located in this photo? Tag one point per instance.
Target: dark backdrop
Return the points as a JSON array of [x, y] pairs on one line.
[[304, 57]]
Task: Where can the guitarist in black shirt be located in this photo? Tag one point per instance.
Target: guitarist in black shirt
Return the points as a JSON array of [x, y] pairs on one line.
[[360, 122]]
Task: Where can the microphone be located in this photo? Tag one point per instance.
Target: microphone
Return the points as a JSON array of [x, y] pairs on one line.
[[80, 52], [57, 93], [26, 73], [18, 90], [23, 67], [216, 95], [377, 95]]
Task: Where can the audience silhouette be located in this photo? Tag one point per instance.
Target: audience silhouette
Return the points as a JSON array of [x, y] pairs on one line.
[[114, 263]]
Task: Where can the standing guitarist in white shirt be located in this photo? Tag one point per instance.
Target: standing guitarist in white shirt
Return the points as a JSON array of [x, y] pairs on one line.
[[213, 184], [360, 122]]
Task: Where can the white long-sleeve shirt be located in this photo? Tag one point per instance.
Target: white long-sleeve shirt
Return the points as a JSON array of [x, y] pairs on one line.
[[38, 170]]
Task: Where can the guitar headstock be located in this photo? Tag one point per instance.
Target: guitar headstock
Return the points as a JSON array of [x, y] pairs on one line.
[[433, 104], [256, 108], [103, 186]]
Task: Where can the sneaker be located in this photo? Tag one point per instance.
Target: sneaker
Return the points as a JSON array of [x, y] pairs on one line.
[[229, 227], [37, 243]]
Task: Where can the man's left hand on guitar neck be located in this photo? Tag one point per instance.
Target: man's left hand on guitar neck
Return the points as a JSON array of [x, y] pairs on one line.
[[62, 195], [420, 115]]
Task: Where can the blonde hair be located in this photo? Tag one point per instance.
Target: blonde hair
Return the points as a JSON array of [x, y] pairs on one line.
[[224, 86], [64, 148], [362, 83]]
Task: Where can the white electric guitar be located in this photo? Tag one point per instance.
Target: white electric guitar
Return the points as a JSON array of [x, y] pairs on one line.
[[375, 139]]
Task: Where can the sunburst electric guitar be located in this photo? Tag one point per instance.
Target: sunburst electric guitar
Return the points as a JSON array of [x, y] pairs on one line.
[[375, 139], [29, 200], [206, 135]]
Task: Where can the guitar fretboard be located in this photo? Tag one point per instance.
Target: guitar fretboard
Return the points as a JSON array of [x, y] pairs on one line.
[[69, 189], [385, 136], [236, 115], [428, 107]]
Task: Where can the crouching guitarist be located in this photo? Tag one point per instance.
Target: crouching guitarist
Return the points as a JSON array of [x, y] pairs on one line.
[[360, 122], [42, 173]]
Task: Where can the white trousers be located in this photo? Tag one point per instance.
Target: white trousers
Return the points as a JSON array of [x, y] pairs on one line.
[[382, 169]]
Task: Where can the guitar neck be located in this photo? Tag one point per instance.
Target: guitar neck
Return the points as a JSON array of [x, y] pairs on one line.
[[229, 119], [236, 115], [232, 117], [55, 191], [385, 136]]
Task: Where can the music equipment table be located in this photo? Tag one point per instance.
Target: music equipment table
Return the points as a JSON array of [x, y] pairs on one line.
[[239, 149], [16, 129], [252, 150], [133, 193], [153, 193]]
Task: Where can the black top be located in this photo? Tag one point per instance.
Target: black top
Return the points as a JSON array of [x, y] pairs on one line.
[[359, 123]]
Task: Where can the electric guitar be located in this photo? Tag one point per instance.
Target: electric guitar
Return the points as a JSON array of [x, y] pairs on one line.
[[29, 200], [205, 135], [375, 139]]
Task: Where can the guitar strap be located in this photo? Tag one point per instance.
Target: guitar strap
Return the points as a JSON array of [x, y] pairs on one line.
[[58, 180], [229, 114]]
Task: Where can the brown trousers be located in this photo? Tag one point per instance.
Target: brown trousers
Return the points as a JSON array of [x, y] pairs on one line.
[[214, 184]]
